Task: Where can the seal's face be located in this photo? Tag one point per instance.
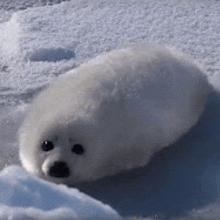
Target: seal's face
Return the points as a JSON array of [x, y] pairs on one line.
[[62, 152], [67, 154], [59, 168]]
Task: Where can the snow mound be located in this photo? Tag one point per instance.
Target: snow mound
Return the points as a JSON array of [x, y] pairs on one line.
[[9, 37], [23, 196], [51, 54]]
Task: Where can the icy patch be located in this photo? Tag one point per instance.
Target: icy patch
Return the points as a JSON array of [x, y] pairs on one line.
[[23, 196], [51, 54]]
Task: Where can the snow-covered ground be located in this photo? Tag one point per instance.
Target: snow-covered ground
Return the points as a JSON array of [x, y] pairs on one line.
[[38, 198], [40, 43]]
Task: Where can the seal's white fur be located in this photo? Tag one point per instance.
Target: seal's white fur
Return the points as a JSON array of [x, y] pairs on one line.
[[121, 107]]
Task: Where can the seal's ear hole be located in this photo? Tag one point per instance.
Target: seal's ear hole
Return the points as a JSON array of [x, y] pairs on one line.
[[47, 145], [78, 149]]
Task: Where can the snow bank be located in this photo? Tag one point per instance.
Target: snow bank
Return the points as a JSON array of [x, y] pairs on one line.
[[23, 196], [10, 33]]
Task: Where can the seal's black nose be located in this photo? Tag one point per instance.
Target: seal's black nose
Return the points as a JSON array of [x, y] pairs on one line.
[[59, 170]]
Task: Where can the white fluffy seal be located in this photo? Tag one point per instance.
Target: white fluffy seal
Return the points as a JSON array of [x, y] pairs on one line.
[[111, 114]]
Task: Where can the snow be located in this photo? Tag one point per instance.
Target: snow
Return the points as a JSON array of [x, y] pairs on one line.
[[19, 193], [40, 43]]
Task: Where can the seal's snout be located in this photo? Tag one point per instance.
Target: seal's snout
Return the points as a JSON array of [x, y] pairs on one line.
[[59, 170]]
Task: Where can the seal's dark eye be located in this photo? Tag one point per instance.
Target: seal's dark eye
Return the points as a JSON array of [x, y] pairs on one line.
[[78, 149], [47, 146]]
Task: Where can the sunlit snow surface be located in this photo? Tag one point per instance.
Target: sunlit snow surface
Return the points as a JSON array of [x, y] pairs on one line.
[[39, 44], [42, 200]]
